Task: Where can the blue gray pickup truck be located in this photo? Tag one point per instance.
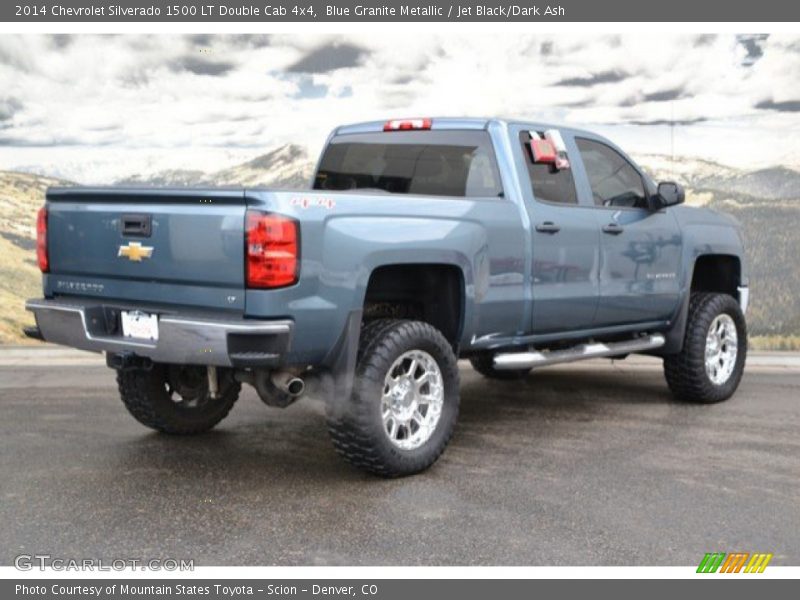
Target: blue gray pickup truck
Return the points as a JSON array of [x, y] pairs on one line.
[[421, 241]]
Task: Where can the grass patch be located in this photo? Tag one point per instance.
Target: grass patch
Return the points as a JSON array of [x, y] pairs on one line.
[[790, 343]]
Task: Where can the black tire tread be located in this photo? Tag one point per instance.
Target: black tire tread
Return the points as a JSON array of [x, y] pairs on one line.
[[349, 431], [685, 371], [136, 391]]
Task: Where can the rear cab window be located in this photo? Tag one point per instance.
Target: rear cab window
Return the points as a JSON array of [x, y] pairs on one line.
[[548, 183], [430, 162]]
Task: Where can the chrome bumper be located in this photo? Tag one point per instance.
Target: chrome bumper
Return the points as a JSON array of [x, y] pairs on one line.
[[181, 339]]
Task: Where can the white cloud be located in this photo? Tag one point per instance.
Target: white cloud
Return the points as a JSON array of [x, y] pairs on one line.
[[104, 107]]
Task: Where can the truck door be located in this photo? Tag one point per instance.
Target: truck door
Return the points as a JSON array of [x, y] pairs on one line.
[[640, 247], [565, 243]]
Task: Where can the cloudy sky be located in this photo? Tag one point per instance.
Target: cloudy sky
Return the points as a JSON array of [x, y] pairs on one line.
[[99, 108]]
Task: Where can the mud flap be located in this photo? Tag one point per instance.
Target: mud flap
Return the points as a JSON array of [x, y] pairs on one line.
[[674, 337], [336, 385]]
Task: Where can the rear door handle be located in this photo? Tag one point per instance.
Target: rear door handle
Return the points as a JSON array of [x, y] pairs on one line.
[[613, 228], [548, 227]]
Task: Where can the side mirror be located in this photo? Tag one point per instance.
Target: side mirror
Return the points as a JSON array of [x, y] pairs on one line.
[[670, 193]]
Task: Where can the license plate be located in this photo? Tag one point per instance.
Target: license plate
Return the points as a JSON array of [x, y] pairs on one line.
[[136, 324]]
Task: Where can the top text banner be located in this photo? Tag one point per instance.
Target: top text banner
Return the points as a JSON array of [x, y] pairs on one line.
[[54, 11]]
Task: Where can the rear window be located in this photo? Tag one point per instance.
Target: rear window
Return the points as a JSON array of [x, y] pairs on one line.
[[434, 163]]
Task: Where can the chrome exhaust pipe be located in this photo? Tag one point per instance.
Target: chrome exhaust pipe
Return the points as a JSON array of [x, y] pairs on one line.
[[213, 382], [288, 383]]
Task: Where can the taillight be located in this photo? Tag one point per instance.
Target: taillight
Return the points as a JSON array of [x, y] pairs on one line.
[[407, 124], [272, 250], [41, 240]]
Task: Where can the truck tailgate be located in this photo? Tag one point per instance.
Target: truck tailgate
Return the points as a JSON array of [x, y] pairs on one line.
[[139, 240]]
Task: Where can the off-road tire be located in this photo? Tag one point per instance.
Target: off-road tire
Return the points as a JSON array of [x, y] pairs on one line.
[[357, 428], [144, 393], [685, 372], [483, 363]]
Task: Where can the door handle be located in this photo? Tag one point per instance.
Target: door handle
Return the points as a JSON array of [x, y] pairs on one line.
[[548, 227], [613, 228], [137, 225]]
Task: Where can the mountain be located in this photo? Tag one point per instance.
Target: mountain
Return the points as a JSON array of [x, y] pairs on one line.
[[777, 183], [287, 167], [766, 202]]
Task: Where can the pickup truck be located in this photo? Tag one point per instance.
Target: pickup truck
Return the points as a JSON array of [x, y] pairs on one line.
[[421, 241]]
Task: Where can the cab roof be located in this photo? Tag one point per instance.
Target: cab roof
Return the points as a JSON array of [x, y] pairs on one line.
[[450, 123]]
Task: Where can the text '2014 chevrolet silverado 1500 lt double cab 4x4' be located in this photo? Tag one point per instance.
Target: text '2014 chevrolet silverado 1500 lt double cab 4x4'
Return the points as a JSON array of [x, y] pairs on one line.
[[423, 240]]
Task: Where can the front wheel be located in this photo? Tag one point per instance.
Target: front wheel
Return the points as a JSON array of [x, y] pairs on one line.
[[405, 400], [709, 367]]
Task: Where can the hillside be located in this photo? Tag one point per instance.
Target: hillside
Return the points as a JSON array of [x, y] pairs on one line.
[[767, 202], [21, 195], [771, 243], [286, 167], [777, 183]]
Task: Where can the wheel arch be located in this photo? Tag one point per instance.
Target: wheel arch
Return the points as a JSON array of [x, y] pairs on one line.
[[719, 272], [433, 292]]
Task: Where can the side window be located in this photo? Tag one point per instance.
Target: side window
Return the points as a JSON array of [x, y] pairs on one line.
[[548, 183], [613, 179]]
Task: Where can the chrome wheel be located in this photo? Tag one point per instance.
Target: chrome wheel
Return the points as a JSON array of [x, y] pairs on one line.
[[722, 347], [413, 395]]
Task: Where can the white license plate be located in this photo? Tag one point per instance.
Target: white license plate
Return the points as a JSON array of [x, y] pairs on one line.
[[136, 324]]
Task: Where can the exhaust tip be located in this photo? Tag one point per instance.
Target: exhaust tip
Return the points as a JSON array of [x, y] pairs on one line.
[[288, 383], [295, 386]]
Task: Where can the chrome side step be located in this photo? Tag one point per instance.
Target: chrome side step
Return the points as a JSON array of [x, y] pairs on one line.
[[527, 360]]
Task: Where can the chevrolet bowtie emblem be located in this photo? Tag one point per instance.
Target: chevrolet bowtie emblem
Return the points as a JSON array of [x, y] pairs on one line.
[[135, 251]]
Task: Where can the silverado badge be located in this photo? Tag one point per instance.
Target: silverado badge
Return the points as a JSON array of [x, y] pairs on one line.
[[135, 251]]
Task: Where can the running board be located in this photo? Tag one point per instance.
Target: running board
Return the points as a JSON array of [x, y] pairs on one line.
[[527, 360]]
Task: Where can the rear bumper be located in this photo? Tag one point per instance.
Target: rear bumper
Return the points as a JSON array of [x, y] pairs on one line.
[[182, 339]]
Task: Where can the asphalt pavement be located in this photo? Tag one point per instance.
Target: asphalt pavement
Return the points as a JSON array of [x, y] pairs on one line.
[[583, 464]]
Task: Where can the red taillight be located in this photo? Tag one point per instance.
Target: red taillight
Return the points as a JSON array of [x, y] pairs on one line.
[[407, 124], [41, 240], [272, 250]]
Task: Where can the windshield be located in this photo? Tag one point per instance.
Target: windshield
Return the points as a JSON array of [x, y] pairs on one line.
[[435, 163]]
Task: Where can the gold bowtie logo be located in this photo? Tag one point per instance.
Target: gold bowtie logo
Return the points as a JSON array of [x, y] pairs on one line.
[[135, 252]]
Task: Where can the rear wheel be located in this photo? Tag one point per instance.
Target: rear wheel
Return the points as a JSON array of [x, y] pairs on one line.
[[405, 400], [709, 367], [483, 363], [176, 398]]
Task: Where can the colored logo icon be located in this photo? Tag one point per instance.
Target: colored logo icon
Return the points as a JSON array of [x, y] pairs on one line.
[[735, 562]]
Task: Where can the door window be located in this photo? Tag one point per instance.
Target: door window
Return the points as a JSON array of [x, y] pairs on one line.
[[614, 181], [548, 183]]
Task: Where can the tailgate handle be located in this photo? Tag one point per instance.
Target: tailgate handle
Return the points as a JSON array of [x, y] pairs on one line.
[[137, 225]]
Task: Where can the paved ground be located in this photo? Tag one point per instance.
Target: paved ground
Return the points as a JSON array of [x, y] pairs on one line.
[[585, 464]]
